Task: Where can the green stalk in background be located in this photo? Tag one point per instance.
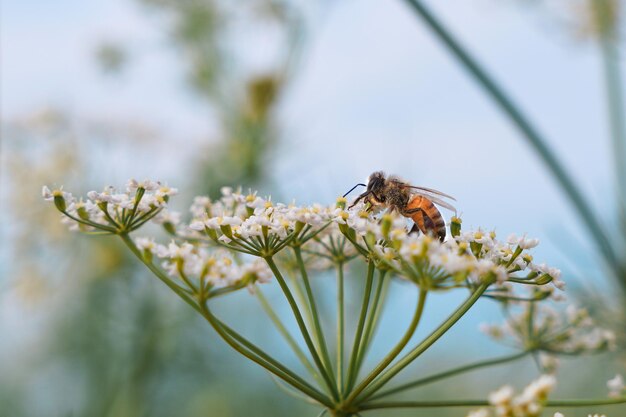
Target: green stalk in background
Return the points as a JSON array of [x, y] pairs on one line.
[[528, 130]]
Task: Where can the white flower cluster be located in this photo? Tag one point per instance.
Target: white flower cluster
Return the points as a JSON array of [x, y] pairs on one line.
[[553, 331], [529, 403], [257, 225], [197, 267], [468, 257], [112, 211]]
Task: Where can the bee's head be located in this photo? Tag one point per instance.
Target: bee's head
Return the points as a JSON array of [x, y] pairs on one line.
[[376, 182]]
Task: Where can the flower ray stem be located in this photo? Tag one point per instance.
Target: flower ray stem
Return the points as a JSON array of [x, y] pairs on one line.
[[159, 274], [450, 373], [318, 332], [372, 319], [252, 352], [287, 336], [426, 343], [528, 130], [303, 329], [352, 367], [484, 403], [417, 315]]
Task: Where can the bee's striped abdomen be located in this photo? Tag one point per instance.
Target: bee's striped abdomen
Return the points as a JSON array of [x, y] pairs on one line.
[[426, 216]]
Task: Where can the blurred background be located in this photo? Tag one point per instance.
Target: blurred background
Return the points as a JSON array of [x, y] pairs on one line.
[[300, 100]]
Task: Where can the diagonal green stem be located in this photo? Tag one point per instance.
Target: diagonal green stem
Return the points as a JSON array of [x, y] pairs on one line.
[[352, 367], [426, 343], [231, 337], [257, 355], [156, 271], [419, 309], [305, 333], [450, 373], [529, 132], [484, 403], [319, 334], [286, 335]]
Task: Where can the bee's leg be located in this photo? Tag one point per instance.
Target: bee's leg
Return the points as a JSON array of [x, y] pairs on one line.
[[429, 225], [359, 198]]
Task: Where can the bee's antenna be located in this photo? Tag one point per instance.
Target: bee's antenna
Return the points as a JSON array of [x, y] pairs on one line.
[[351, 189]]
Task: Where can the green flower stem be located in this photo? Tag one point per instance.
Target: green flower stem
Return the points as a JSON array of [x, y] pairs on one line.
[[417, 315], [301, 298], [127, 217], [288, 337], [251, 351], [143, 219], [426, 343], [257, 355], [319, 333], [111, 220], [372, 319], [156, 271], [352, 367], [483, 403], [450, 373], [305, 333], [341, 324], [90, 223], [529, 132]]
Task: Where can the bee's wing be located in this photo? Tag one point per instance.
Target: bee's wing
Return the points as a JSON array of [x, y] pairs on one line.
[[424, 191], [435, 200]]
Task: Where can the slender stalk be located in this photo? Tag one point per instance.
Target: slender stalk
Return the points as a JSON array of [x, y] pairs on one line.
[[450, 373], [286, 335], [609, 49], [319, 333], [426, 343], [352, 367], [156, 271], [231, 337], [528, 130], [484, 403], [372, 318], [301, 298], [276, 368], [305, 333], [341, 323], [419, 309]]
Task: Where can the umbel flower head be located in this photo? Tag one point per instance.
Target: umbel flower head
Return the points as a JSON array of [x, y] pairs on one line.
[[113, 212], [552, 331]]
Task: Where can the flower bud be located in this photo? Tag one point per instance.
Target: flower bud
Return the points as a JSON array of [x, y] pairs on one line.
[[211, 233], [59, 200], [227, 230], [386, 225], [455, 226], [169, 228], [543, 279], [341, 202]]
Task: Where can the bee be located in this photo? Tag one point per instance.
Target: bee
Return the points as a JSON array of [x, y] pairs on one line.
[[416, 203]]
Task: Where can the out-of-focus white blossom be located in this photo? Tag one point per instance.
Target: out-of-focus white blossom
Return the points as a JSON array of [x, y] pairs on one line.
[[527, 404], [616, 386], [553, 331]]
